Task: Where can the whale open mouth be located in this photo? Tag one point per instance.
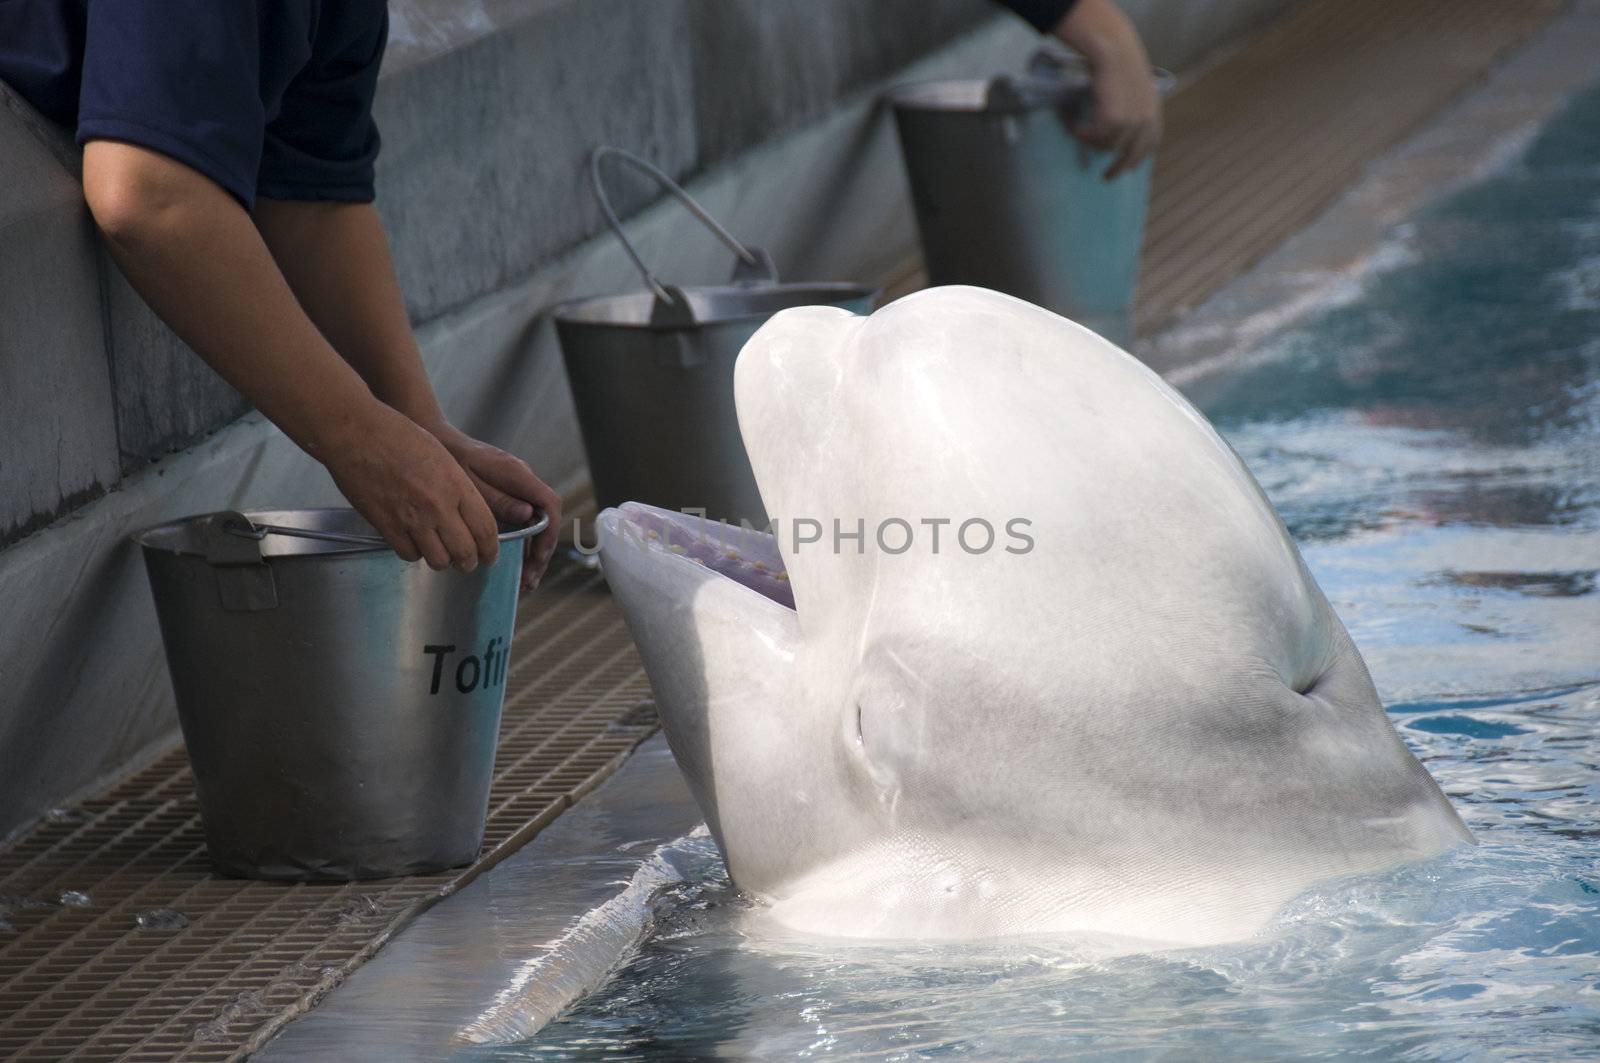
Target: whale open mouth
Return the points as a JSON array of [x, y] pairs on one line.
[[745, 555]]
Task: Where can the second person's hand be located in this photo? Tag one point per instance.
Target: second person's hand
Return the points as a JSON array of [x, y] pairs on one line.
[[412, 490], [1126, 120]]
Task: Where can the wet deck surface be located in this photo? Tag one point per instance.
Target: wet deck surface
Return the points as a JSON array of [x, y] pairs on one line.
[[1256, 147]]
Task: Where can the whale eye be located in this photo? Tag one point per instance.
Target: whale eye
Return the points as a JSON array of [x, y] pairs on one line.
[[868, 752], [885, 720]]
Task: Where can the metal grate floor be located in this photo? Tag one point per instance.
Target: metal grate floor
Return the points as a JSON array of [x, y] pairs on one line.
[[1262, 142], [81, 979]]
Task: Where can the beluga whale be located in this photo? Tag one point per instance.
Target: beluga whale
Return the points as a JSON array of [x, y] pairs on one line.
[[1025, 650]]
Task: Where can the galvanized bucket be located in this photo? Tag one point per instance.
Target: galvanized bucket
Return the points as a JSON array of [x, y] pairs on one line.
[[652, 372], [1007, 198], [339, 705]]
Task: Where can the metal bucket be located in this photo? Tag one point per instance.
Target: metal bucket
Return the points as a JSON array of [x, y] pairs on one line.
[[1007, 198], [339, 705], [652, 372]]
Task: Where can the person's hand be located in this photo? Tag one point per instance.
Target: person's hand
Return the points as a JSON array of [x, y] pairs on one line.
[[512, 491], [1127, 115], [1127, 108], [412, 490]]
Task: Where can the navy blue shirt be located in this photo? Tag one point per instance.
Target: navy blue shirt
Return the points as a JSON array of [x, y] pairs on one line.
[[268, 97], [1045, 15]]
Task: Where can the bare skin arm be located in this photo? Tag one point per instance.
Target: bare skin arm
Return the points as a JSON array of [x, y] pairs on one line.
[[336, 260], [1127, 107], [196, 257]]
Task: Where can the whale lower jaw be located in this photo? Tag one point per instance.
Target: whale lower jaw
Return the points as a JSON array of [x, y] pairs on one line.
[[887, 894], [848, 913]]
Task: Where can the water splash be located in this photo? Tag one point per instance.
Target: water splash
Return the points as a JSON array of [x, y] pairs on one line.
[[161, 919], [357, 908], [246, 1007]]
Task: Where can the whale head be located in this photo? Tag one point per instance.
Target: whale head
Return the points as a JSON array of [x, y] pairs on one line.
[[1025, 650]]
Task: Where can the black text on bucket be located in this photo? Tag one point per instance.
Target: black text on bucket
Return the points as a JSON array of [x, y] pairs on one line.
[[471, 672]]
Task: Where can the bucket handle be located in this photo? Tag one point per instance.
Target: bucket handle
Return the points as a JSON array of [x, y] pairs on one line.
[[751, 264], [237, 524]]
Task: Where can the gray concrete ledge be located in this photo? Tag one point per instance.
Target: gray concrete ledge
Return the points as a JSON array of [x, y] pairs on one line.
[[58, 445], [508, 953]]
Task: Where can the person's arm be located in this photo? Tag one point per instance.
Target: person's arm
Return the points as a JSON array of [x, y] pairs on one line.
[[194, 254], [1127, 107], [336, 260]]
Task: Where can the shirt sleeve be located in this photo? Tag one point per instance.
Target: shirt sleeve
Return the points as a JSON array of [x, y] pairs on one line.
[[1044, 15], [323, 142], [181, 78]]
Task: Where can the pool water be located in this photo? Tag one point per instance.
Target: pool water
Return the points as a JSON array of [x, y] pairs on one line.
[[1433, 442]]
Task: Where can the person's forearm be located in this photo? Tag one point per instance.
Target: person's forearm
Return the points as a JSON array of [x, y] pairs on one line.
[[1126, 117], [336, 259], [1101, 33], [193, 253]]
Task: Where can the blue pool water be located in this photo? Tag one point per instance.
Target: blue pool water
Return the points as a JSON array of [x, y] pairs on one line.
[[1434, 445]]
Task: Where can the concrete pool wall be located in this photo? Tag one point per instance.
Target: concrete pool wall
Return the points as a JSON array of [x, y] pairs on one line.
[[108, 424]]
